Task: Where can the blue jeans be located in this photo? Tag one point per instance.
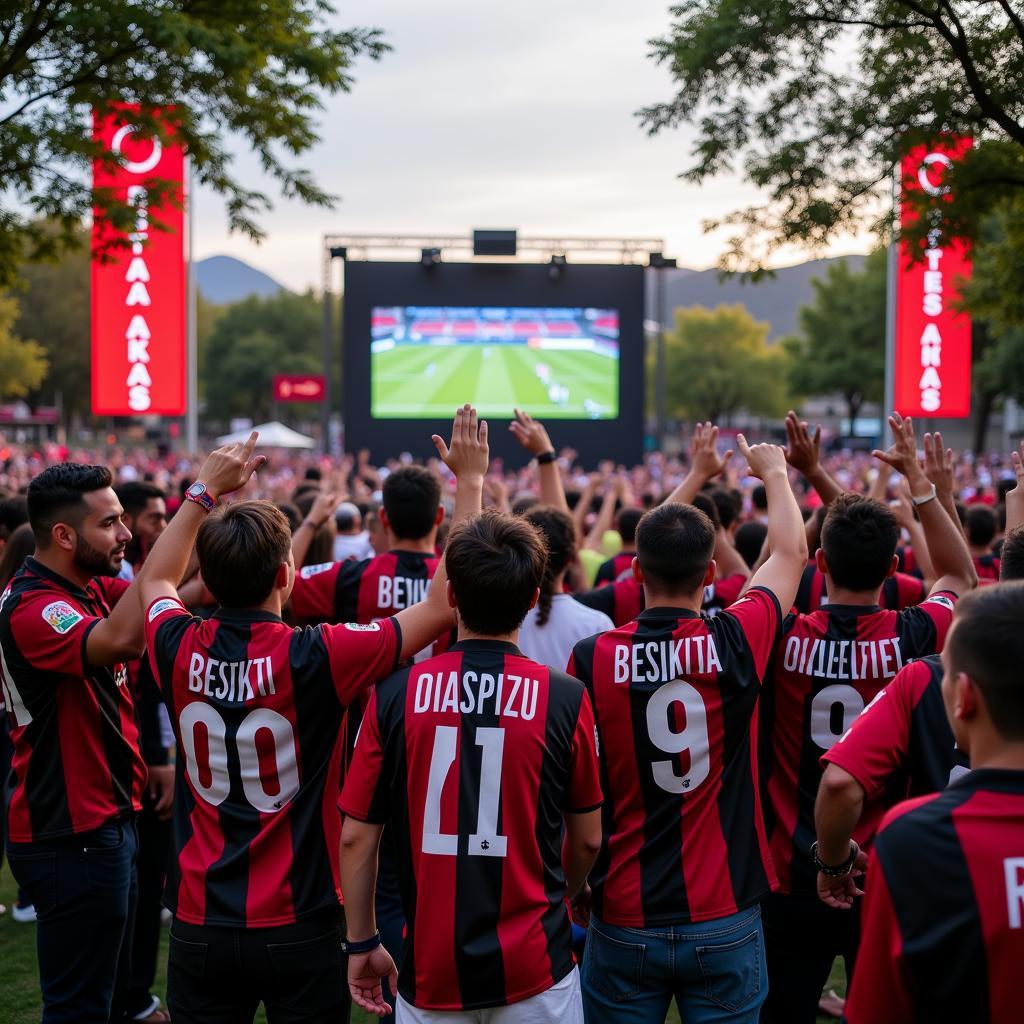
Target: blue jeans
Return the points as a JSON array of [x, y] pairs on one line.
[[83, 888], [715, 970]]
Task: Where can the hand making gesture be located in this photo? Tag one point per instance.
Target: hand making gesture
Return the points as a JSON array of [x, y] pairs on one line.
[[229, 468], [468, 454]]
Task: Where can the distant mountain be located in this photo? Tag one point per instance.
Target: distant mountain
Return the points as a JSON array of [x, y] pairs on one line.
[[775, 299], [223, 279]]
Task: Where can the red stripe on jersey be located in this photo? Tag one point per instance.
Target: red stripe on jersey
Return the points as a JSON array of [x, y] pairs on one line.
[[369, 601], [83, 761]]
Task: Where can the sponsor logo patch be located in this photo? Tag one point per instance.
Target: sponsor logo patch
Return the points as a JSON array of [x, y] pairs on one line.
[[61, 616], [314, 570], [943, 600], [162, 606], [358, 627]]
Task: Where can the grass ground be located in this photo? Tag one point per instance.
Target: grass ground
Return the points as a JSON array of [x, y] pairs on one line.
[[19, 984], [422, 382]]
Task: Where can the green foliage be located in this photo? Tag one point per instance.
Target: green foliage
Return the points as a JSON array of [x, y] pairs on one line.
[[718, 362], [237, 72], [815, 102], [841, 345], [250, 342], [24, 361]]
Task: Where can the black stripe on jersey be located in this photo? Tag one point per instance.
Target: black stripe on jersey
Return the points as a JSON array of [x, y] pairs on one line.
[[564, 699], [315, 698], [481, 970], [953, 988], [737, 809], [184, 798], [932, 753], [803, 875], [804, 592], [661, 863], [347, 585], [227, 879]]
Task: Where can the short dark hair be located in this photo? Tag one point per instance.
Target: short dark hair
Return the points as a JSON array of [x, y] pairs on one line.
[[759, 498], [1011, 558], [135, 495], [312, 473], [674, 544], [725, 502], [749, 540], [981, 525], [20, 544], [859, 538], [58, 495], [987, 644], [559, 535], [13, 513], [629, 520], [411, 496], [495, 563], [240, 548], [708, 507]]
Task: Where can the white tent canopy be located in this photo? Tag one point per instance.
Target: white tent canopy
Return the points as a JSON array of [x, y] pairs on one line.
[[272, 435]]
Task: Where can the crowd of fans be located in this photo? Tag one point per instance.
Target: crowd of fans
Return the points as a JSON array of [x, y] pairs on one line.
[[758, 632]]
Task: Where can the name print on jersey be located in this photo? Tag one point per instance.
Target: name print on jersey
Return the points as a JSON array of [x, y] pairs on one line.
[[511, 696], [235, 678], [661, 660], [843, 659], [400, 592]]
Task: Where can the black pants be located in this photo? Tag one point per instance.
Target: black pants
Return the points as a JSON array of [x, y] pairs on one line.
[[221, 975], [84, 889], [802, 938]]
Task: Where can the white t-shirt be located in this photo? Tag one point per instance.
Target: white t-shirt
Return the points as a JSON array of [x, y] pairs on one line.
[[568, 623], [353, 545]]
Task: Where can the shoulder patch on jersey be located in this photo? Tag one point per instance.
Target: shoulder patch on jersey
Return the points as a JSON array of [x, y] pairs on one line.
[[61, 616], [942, 600], [360, 627], [314, 570], [165, 604]]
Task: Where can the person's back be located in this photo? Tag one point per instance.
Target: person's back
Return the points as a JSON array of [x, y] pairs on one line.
[[474, 758], [944, 910]]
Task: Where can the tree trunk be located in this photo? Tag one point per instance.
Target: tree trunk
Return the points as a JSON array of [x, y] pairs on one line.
[[983, 413]]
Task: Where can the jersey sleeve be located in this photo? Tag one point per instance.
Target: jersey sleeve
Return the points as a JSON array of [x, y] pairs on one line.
[[584, 792], [366, 794], [760, 618], [313, 592], [360, 655], [878, 742], [923, 629], [881, 992], [728, 589], [51, 633], [112, 589], [902, 591], [167, 620]]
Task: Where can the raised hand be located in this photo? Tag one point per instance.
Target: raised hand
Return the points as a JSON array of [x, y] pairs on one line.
[[322, 509], [763, 459], [704, 457], [530, 433], [230, 467], [366, 972], [902, 453], [803, 451], [467, 456], [1015, 498], [939, 464]]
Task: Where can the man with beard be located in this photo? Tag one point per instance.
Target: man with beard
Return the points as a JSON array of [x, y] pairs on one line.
[[67, 627]]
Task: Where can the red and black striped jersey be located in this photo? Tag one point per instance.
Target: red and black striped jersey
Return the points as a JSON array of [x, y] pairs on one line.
[[827, 668], [256, 708], [987, 568], [623, 600], [76, 761], [362, 591], [675, 695], [899, 591], [472, 759], [901, 744], [611, 570], [942, 933]]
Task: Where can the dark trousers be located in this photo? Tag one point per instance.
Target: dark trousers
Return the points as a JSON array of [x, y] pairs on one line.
[[151, 869], [388, 910], [6, 755], [802, 938], [84, 891], [221, 975]]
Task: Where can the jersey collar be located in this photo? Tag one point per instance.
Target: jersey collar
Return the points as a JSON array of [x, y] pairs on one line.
[[498, 646], [667, 612], [38, 569], [246, 615], [855, 609]]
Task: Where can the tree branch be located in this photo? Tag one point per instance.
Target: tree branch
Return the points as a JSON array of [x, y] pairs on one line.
[[31, 35], [1015, 18]]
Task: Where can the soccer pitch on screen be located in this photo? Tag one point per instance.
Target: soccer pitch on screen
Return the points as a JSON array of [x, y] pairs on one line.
[[557, 363]]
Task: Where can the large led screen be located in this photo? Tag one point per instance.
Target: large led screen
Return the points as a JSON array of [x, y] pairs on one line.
[[559, 363]]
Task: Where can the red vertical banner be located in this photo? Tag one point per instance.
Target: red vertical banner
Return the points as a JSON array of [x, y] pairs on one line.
[[933, 340], [138, 294]]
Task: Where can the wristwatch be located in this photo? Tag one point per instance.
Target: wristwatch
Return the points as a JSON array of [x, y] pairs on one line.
[[545, 457], [200, 494], [923, 499]]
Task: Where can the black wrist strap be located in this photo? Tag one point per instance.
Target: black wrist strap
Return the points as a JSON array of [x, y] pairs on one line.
[[835, 870], [546, 457], [364, 946]]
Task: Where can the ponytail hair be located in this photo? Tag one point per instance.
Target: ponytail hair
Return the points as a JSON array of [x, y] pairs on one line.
[[559, 535]]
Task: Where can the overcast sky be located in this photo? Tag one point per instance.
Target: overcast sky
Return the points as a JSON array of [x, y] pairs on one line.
[[483, 115]]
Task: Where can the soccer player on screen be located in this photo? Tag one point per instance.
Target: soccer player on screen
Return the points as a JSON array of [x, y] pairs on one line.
[[685, 862], [257, 708], [944, 910], [476, 760], [828, 666]]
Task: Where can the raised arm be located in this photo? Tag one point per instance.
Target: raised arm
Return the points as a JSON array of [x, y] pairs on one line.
[[605, 516], [1015, 498], [951, 560], [321, 511], [705, 463], [786, 538], [530, 433], [939, 466], [803, 453], [467, 457]]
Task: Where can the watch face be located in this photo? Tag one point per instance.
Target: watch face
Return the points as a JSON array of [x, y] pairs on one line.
[[196, 490]]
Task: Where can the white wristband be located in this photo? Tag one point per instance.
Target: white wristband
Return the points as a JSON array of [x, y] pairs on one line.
[[925, 498]]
